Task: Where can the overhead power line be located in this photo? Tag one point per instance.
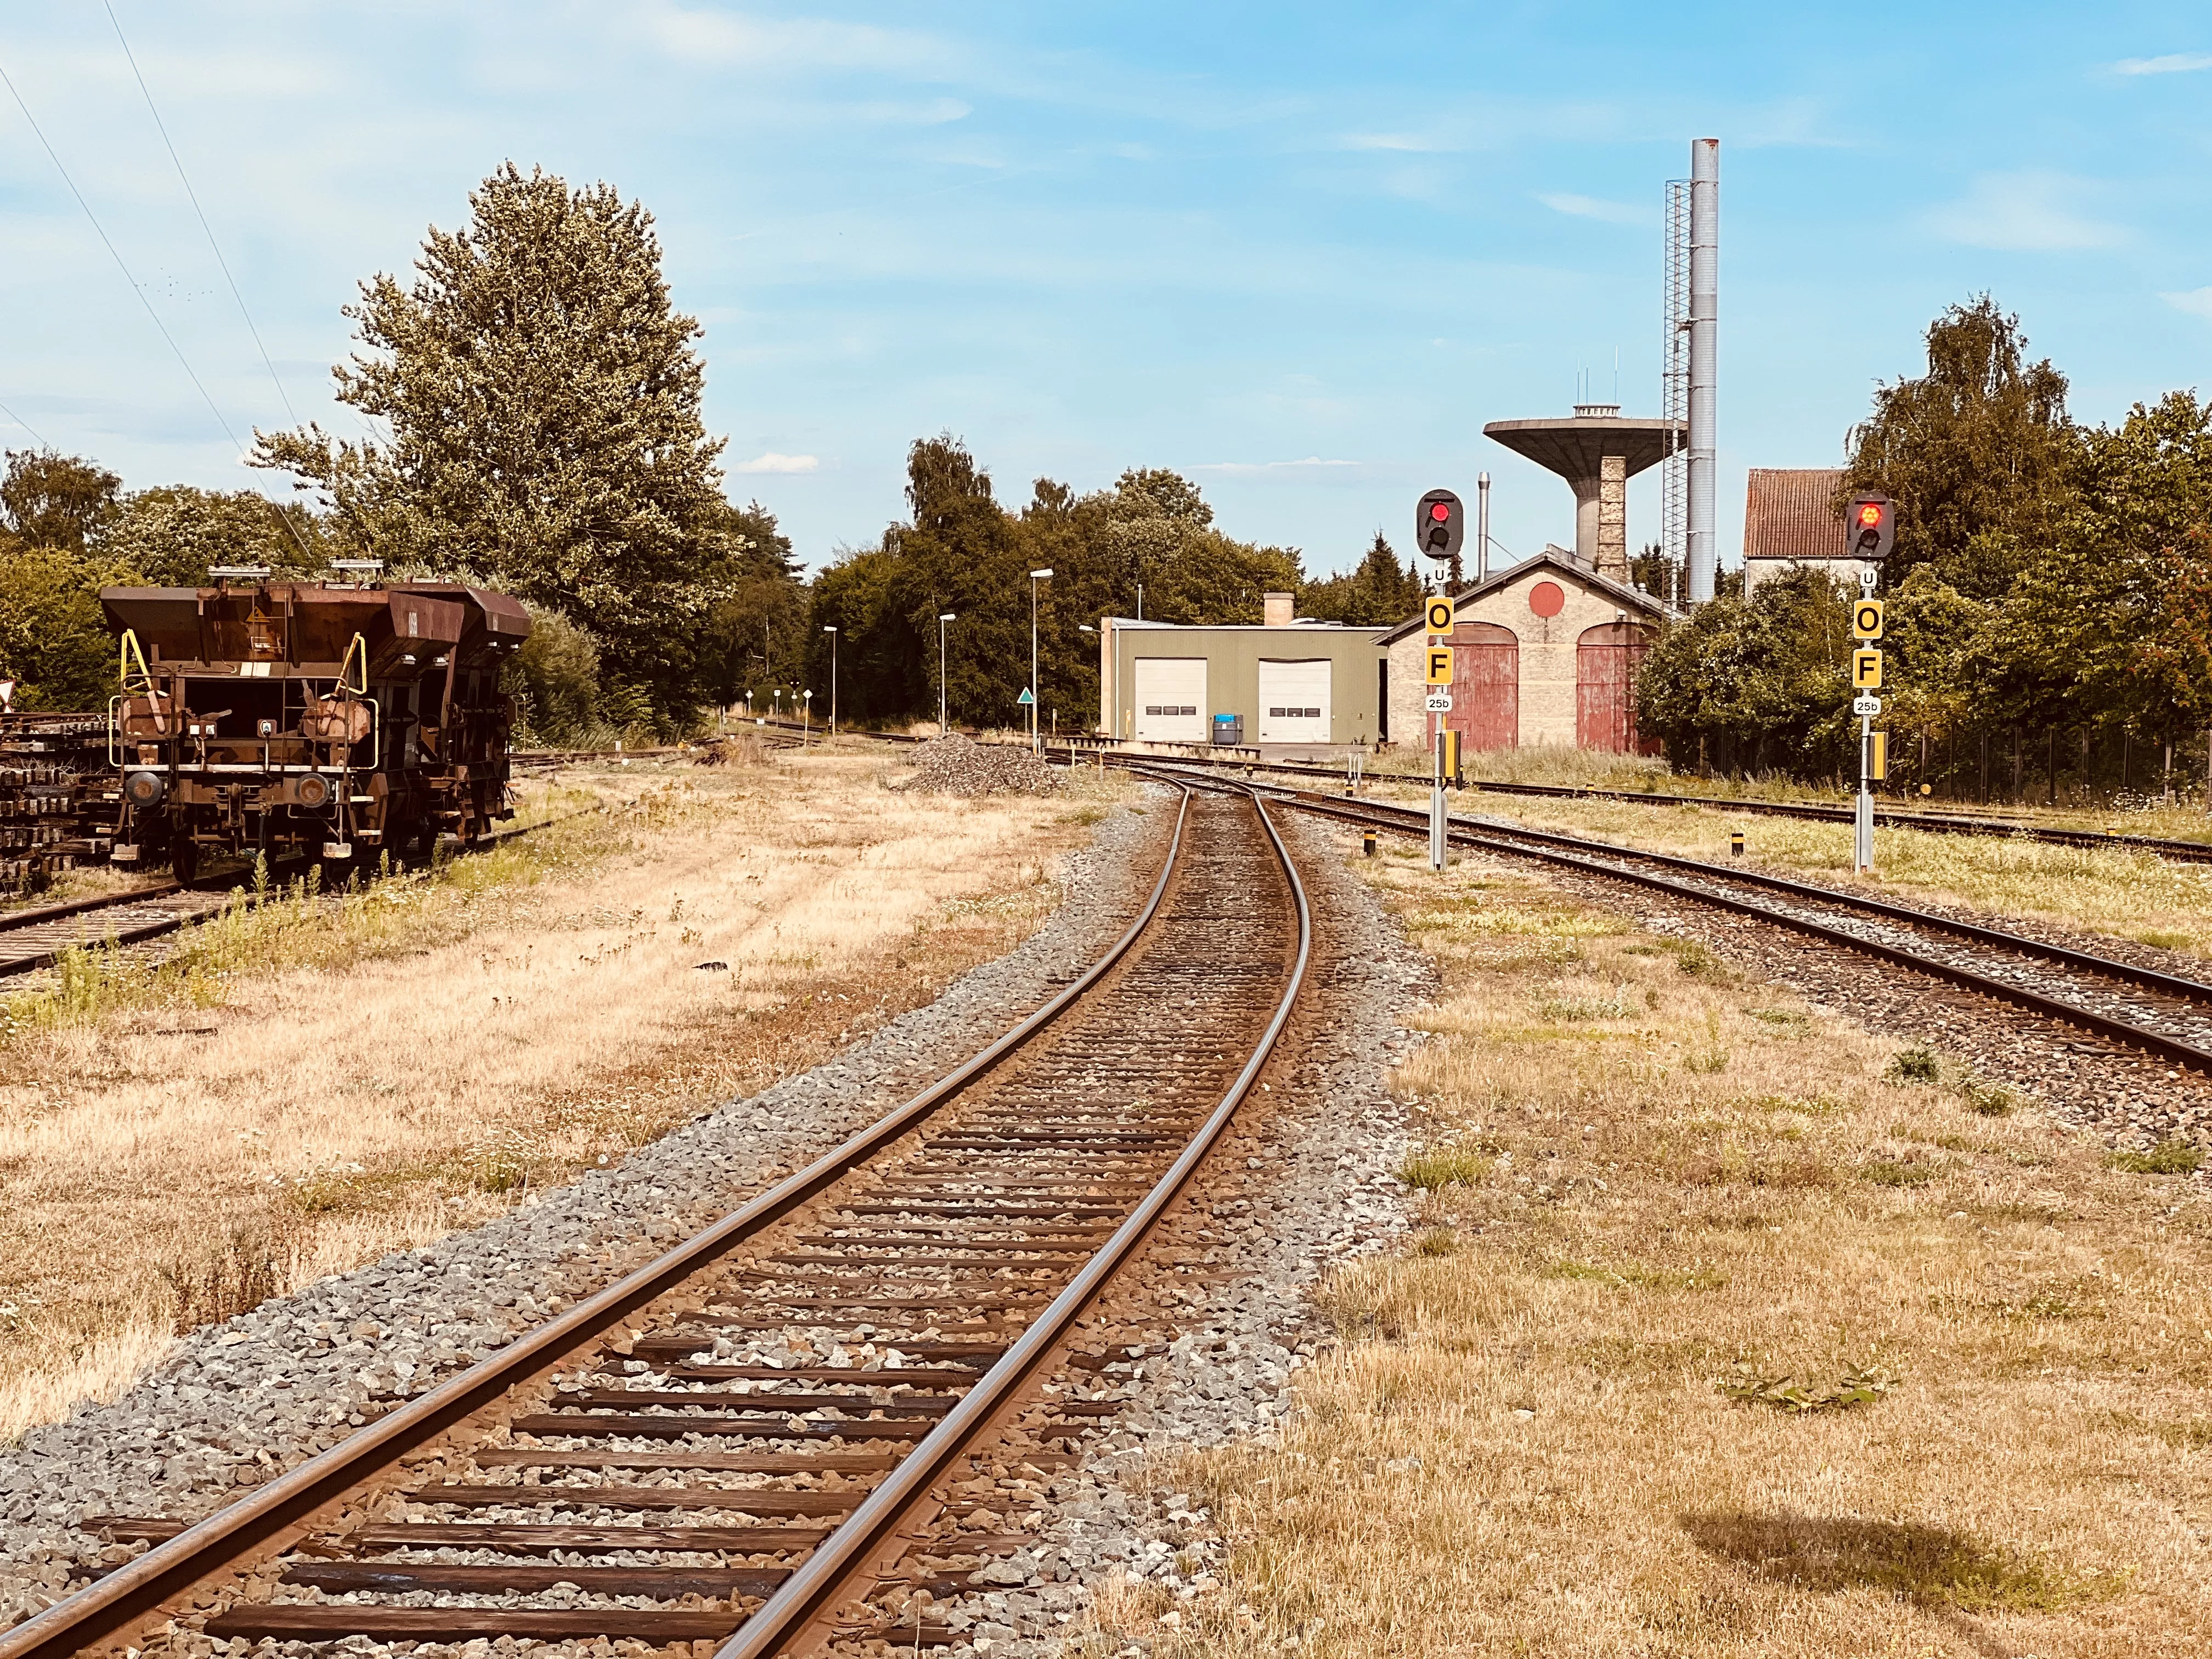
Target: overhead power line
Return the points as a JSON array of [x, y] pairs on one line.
[[120, 264], [154, 316], [192, 196], [25, 425]]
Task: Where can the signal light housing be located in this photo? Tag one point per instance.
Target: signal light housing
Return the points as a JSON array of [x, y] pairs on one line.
[[1870, 526], [1440, 525]]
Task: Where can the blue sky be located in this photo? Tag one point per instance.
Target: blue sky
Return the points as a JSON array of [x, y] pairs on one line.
[[1301, 253]]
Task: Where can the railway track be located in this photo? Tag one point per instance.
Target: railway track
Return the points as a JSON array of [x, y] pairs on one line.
[[747, 1439], [2143, 1008], [1939, 824], [33, 938]]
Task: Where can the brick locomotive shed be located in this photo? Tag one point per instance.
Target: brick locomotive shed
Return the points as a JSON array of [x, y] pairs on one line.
[[1544, 652]]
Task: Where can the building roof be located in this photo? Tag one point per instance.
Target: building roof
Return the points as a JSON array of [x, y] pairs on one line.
[[1787, 513], [1552, 558], [1297, 624]]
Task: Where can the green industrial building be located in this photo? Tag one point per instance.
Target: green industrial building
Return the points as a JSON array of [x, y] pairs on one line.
[[1312, 683]]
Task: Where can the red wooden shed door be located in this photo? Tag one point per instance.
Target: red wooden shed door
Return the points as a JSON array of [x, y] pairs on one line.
[[1606, 660], [1485, 686]]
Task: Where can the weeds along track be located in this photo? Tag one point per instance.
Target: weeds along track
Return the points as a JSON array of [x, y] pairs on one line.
[[34, 939], [2166, 1015], [660, 1464]]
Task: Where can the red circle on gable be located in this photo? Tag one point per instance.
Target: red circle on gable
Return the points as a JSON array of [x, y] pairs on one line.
[[1547, 599]]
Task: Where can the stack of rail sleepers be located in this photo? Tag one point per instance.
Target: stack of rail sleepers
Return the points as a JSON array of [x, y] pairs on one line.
[[53, 789]]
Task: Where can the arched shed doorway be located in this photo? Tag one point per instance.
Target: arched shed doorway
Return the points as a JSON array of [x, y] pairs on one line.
[[1606, 660], [1485, 686]]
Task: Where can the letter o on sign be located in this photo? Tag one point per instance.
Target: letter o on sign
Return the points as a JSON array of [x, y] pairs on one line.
[[1547, 599]]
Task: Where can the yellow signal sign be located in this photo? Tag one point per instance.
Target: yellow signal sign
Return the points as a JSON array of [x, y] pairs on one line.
[[1877, 755], [1440, 664], [1440, 615], [1866, 670], [1866, 619]]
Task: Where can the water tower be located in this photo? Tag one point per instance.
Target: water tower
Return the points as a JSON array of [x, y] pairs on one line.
[[1597, 451]]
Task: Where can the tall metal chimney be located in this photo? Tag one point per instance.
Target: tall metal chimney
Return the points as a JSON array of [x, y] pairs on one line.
[[1704, 326], [1482, 526]]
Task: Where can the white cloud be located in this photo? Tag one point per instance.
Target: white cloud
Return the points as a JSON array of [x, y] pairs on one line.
[[1397, 141], [1246, 469], [772, 462], [707, 35], [2174, 63], [2023, 210], [2196, 301], [1589, 207]]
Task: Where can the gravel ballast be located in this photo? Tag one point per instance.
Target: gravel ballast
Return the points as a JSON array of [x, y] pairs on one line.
[[1318, 1189], [232, 1405]]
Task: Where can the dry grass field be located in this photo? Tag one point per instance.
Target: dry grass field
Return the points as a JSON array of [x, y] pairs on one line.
[[303, 1087], [2134, 896], [1726, 1333]]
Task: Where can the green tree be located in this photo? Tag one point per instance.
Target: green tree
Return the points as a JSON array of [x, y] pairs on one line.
[[51, 500], [756, 633], [1377, 592], [555, 681], [176, 533], [543, 400], [54, 640], [1978, 452], [1757, 684], [1160, 534]]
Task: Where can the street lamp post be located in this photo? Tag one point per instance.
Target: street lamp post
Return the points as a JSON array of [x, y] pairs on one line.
[[943, 726], [1036, 699], [831, 630]]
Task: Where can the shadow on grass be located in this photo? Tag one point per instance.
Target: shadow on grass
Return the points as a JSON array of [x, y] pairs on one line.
[[1943, 1571]]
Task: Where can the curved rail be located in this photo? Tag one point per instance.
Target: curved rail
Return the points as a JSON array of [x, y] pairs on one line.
[[815, 1586], [139, 1587], [1937, 824], [1595, 857]]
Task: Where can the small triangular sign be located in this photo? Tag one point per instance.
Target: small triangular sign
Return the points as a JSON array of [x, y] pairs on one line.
[[1024, 700]]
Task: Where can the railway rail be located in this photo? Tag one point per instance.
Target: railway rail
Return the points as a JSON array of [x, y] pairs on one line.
[[2165, 1015], [35, 938], [657, 1453], [1941, 824]]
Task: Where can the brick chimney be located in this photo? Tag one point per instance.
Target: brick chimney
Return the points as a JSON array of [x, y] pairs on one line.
[[1278, 609]]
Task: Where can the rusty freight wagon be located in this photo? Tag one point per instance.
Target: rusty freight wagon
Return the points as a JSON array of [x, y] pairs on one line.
[[333, 719]]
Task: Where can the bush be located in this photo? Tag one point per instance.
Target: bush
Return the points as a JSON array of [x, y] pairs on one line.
[[1917, 1064], [1443, 1166], [2168, 1157]]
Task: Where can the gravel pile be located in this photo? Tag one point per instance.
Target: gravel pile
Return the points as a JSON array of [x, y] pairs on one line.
[[956, 765], [232, 1405]]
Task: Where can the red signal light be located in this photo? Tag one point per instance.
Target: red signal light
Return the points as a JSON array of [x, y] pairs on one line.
[[1439, 512], [1870, 514]]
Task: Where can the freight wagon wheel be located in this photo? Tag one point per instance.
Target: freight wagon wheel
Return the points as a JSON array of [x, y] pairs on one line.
[[185, 860]]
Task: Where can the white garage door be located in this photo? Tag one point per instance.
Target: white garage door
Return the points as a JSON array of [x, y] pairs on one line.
[[1294, 700], [1171, 699]]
